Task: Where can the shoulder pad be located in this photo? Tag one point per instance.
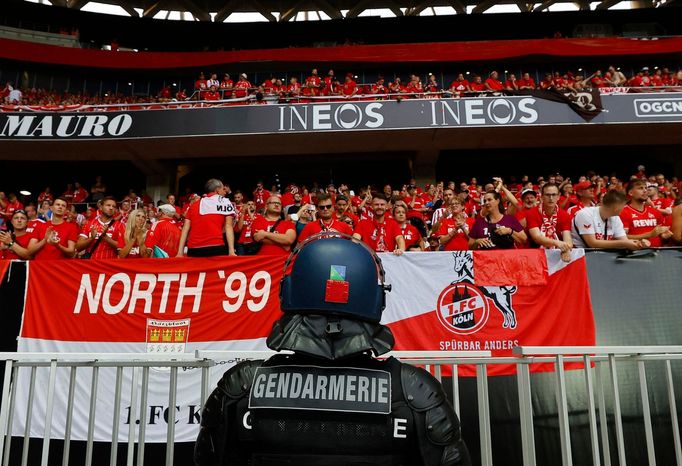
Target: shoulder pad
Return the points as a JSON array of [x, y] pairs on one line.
[[442, 425], [421, 390], [236, 382]]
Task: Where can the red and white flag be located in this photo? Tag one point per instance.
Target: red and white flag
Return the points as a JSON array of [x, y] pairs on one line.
[[488, 300], [171, 306]]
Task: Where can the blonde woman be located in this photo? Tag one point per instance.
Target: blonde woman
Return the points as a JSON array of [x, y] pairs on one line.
[[131, 245]]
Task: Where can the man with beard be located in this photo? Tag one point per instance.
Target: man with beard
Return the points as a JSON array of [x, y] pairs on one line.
[[550, 226], [380, 233], [104, 224], [55, 239]]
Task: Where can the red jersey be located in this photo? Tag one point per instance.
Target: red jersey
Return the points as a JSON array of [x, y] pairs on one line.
[[459, 86], [294, 88], [103, 251], [459, 241], [11, 208], [551, 226], [207, 224], [260, 223], [494, 84], [260, 197], [23, 240], [661, 203], [530, 82], [411, 234], [477, 87], [66, 231], [349, 88], [135, 250], [379, 236], [80, 195], [319, 226], [637, 222], [201, 85], [312, 85], [166, 235], [226, 84], [242, 88], [245, 234]]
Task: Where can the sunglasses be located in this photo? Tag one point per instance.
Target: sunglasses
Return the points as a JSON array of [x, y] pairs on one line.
[[324, 207]]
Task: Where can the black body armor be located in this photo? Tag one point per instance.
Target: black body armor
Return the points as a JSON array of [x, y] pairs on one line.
[[303, 411]]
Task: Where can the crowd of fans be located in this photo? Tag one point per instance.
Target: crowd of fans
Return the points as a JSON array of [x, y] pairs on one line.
[[551, 212], [208, 87]]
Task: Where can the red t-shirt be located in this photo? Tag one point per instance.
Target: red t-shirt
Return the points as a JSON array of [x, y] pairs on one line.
[[260, 223], [550, 228], [206, 229], [103, 251], [242, 88], [459, 242], [166, 235], [637, 222], [318, 226], [379, 236], [22, 241], [66, 232]]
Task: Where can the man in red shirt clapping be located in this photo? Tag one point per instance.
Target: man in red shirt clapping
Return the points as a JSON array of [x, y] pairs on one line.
[[380, 233]]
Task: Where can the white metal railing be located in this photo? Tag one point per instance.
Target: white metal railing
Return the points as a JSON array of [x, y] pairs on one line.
[[593, 360]]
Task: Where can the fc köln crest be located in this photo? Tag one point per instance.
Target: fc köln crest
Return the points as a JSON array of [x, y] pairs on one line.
[[464, 308]]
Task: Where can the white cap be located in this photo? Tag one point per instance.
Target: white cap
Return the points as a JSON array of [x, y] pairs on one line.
[[243, 75], [167, 209]]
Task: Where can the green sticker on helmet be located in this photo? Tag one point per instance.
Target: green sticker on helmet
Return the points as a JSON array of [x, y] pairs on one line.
[[337, 273]]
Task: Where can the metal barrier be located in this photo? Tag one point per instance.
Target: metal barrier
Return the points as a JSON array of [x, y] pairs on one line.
[[593, 360]]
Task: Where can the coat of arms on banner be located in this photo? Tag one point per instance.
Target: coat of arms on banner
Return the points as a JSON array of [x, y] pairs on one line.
[[464, 308], [167, 336]]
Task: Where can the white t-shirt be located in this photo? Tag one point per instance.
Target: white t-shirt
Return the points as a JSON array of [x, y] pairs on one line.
[[588, 222]]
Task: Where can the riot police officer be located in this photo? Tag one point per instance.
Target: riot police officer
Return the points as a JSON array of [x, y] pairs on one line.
[[331, 402]]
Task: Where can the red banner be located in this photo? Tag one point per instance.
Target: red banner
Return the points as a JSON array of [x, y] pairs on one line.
[[391, 53], [123, 300], [440, 301]]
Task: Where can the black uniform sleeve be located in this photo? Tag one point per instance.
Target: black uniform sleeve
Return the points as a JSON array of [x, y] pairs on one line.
[[437, 426], [235, 384]]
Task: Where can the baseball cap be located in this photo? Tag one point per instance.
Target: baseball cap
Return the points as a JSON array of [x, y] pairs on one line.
[[167, 209], [243, 75], [583, 185], [646, 68], [652, 185], [528, 191]]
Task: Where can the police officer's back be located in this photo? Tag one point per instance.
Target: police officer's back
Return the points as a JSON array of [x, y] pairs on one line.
[[331, 402]]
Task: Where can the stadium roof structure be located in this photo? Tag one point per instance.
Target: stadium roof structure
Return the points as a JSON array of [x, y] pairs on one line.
[[301, 10]]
